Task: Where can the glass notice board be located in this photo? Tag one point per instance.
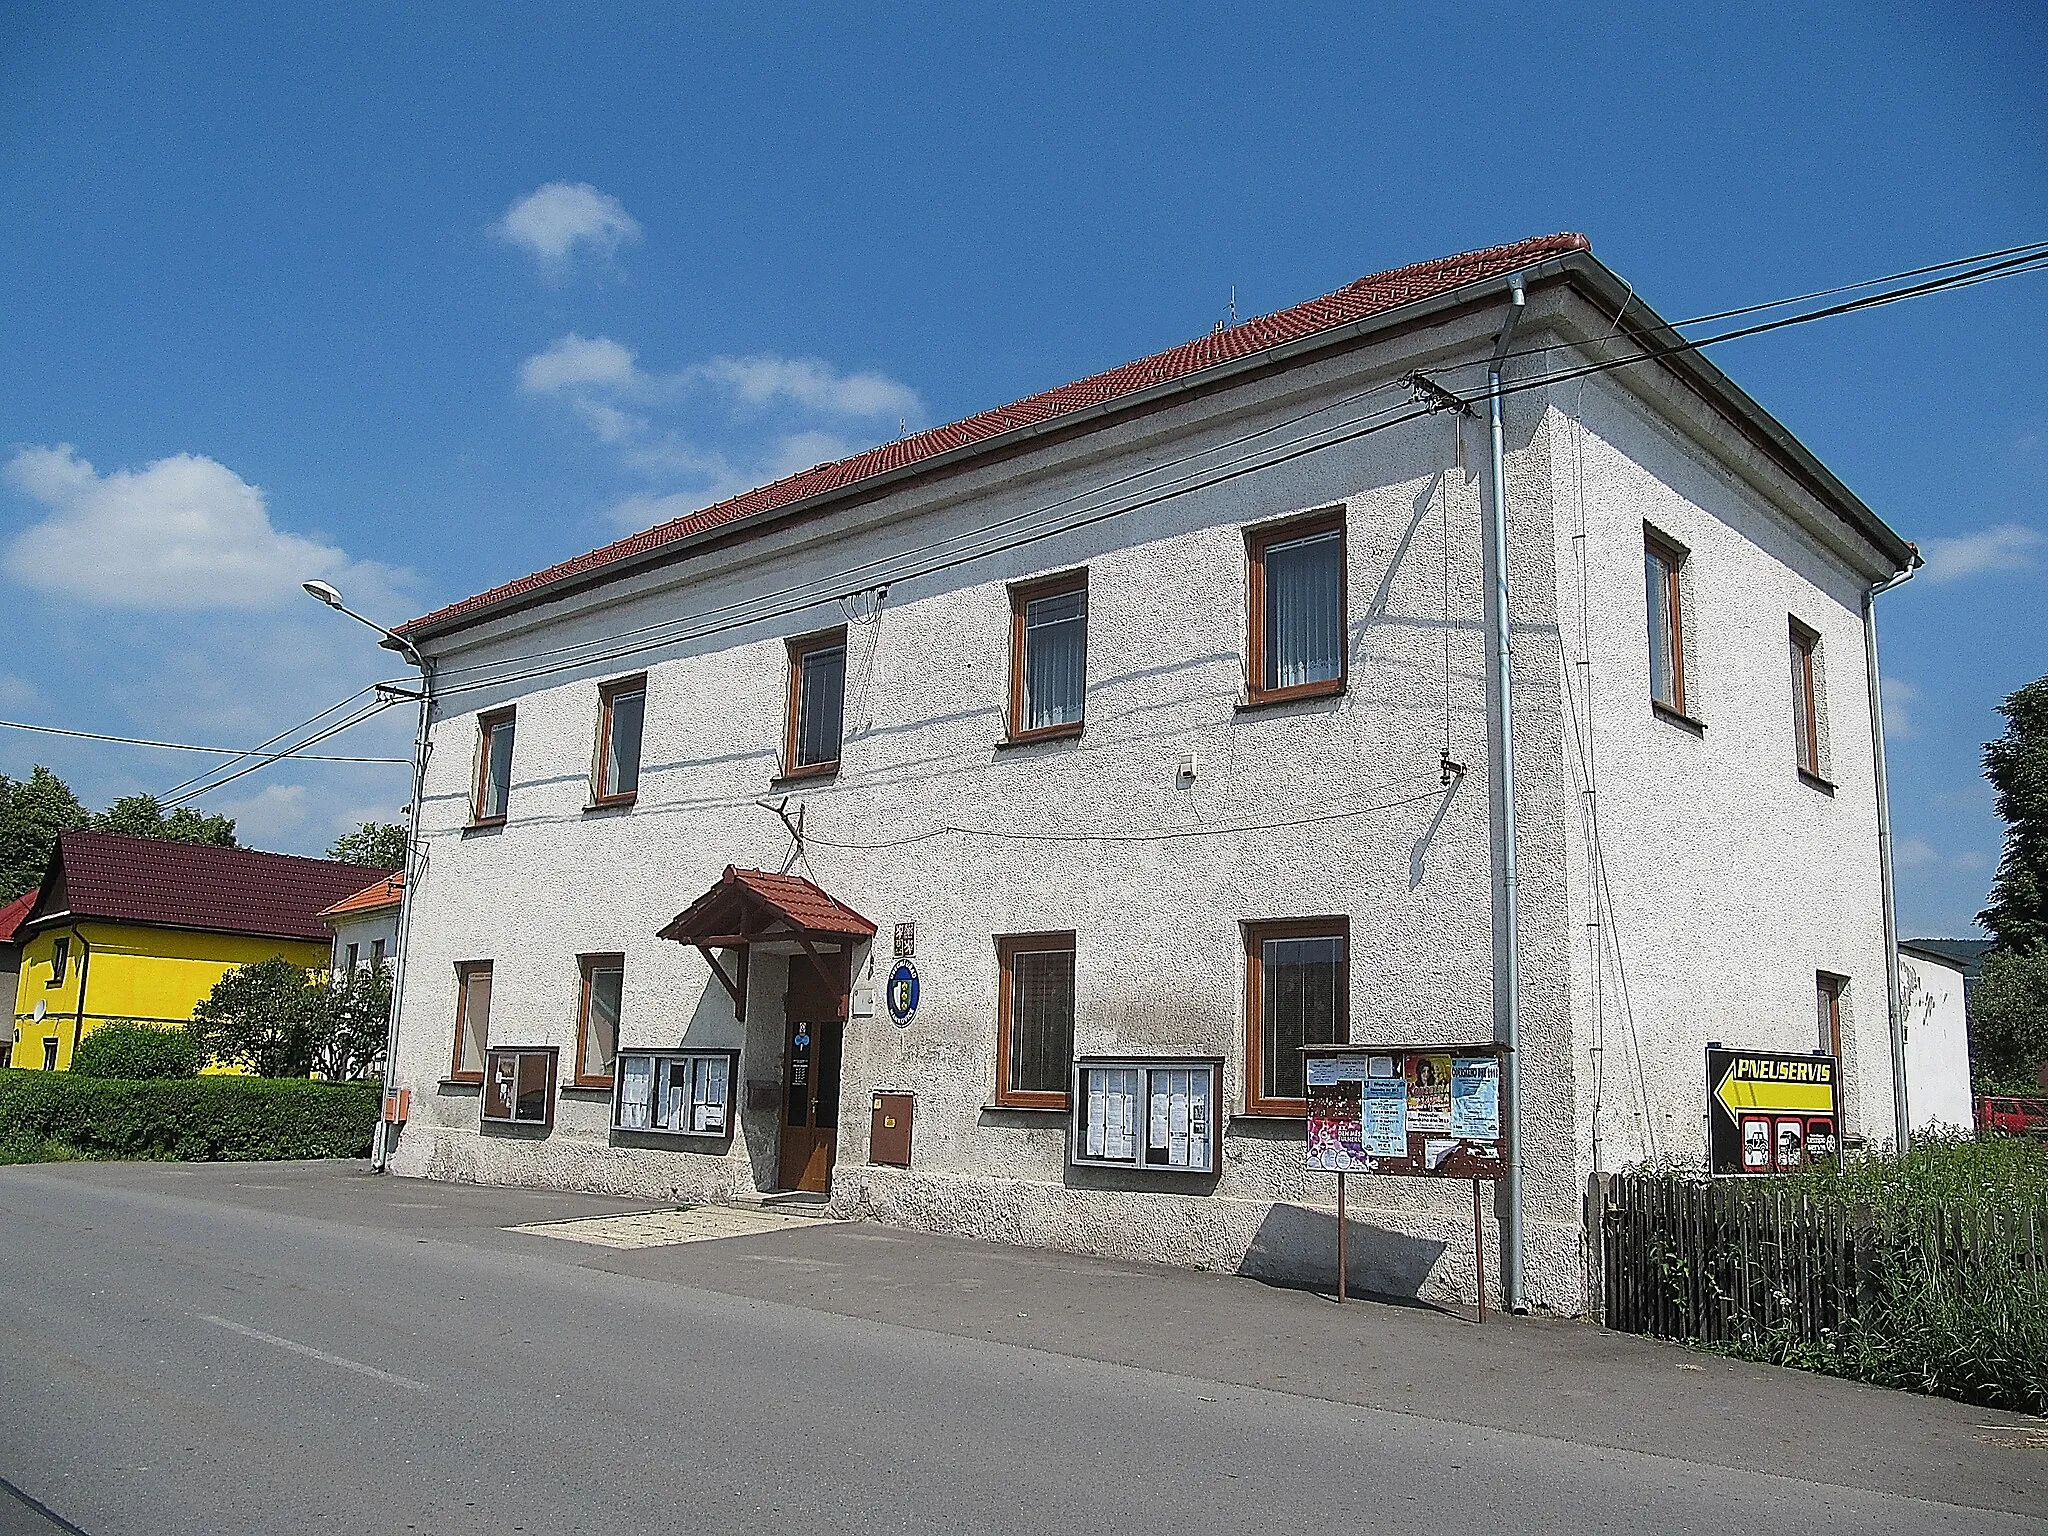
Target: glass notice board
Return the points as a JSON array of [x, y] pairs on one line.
[[1157, 1113]]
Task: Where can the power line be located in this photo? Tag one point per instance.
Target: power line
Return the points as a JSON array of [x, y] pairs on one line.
[[266, 745], [182, 746], [825, 589], [375, 707]]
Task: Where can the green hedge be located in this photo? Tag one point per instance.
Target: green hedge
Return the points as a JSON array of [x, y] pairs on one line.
[[125, 1049], [200, 1119]]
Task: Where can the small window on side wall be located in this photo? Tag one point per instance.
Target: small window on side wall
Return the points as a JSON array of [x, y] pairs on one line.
[[60, 957], [1828, 990], [1298, 993], [621, 716], [472, 1020], [1806, 721], [1048, 657], [1034, 1020], [519, 1085], [1662, 563], [493, 767], [817, 704], [597, 1031], [1297, 641]]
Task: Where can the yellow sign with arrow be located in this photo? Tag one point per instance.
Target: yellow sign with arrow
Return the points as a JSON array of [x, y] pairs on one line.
[[1773, 1111]]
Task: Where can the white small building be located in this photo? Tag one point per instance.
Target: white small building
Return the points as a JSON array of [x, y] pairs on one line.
[[1934, 1013], [1153, 722], [365, 925]]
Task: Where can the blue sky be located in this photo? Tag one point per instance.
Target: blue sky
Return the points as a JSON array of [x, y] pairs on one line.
[[276, 278]]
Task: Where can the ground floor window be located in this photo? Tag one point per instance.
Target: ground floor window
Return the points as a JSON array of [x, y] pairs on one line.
[[1298, 993], [519, 1085], [472, 1020], [1034, 1020], [597, 1033]]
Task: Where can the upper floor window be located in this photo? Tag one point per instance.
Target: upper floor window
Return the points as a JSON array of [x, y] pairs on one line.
[[597, 1034], [1828, 990], [493, 766], [60, 957], [1806, 731], [1662, 564], [621, 713], [472, 1020], [1048, 656], [1034, 1020], [1298, 993], [1297, 608], [817, 703]]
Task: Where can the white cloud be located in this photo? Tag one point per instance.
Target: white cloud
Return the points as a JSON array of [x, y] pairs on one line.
[[2003, 550], [717, 477], [556, 220], [17, 692], [811, 383], [1899, 698], [1916, 853], [275, 814], [182, 533], [577, 361]]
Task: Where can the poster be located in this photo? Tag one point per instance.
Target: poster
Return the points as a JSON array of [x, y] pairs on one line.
[[1475, 1098], [1429, 1093], [1335, 1138], [636, 1092], [707, 1115], [1385, 1113]]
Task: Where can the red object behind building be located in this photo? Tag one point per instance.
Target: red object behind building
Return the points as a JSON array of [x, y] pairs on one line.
[[2015, 1117]]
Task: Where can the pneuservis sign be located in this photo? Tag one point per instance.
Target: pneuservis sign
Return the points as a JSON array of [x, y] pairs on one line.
[[1771, 1111]]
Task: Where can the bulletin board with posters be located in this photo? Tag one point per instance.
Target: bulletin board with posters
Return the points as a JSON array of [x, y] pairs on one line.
[[1432, 1111]]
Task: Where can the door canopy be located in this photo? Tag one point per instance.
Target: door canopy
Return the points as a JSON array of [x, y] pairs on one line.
[[750, 906]]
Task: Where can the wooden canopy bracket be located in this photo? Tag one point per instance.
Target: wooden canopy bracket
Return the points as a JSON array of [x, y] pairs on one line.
[[737, 986], [825, 972]]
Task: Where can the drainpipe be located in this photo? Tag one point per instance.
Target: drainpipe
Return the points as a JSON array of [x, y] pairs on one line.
[[84, 976], [1902, 1124], [415, 861], [1509, 988]]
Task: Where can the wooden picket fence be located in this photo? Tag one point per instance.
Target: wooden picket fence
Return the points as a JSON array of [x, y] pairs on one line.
[[1718, 1262]]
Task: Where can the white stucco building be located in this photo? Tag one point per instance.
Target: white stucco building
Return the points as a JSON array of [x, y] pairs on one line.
[[1934, 1012], [365, 925], [1156, 716]]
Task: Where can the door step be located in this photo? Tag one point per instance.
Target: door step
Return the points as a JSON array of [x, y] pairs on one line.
[[794, 1202]]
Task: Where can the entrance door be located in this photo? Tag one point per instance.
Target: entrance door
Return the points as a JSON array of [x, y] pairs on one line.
[[810, 1074]]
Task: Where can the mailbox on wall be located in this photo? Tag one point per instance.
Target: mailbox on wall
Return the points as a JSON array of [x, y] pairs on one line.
[[889, 1129]]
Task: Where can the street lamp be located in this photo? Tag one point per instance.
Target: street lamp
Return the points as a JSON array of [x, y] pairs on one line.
[[326, 592]]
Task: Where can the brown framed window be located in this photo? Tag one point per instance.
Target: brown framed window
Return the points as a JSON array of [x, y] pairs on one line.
[[1048, 657], [597, 1022], [493, 767], [1298, 993], [1034, 1020], [817, 704], [1297, 644], [1662, 564], [1827, 989], [621, 716], [472, 1021], [1805, 699], [60, 957], [519, 1085]]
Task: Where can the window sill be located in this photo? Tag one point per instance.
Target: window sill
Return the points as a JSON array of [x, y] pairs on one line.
[[484, 824], [1278, 1112], [1037, 738], [1678, 717], [803, 775], [460, 1082], [997, 1107], [1273, 698], [1815, 781], [610, 803], [604, 1088]]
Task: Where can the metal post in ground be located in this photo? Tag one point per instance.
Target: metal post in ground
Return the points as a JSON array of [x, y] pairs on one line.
[[1341, 1264]]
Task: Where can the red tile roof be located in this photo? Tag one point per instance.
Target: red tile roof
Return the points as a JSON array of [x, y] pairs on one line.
[[385, 892], [191, 885], [13, 913], [744, 894], [1359, 300]]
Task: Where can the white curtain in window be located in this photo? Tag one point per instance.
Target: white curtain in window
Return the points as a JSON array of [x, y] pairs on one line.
[[1304, 610], [1055, 659]]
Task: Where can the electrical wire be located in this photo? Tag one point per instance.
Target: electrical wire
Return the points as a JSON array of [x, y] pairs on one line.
[[183, 746], [376, 707], [800, 597], [264, 746]]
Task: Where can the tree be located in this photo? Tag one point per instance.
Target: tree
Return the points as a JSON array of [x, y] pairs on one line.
[[2009, 1021], [355, 1017], [33, 811], [266, 1017], [142, 816], [375, 843], [2017, 765]]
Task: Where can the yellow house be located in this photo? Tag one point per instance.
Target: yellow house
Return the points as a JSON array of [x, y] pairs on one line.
[[133, 928]]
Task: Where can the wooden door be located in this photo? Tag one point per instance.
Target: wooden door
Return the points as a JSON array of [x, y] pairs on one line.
[[812, 1048]]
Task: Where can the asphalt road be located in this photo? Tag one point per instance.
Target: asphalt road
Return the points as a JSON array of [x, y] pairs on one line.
[[307, 1348]]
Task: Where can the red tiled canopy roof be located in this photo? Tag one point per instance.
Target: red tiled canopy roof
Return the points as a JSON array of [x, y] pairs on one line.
[[14, 914], [191, 885], [1359, 300], [386, 892], [755, 904]]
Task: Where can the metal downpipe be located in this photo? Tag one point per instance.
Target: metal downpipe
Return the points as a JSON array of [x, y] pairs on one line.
[[1902, 1123], [415, 861], [1510, 986]]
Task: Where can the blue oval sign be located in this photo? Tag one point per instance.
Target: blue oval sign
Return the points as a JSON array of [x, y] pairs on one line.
[[903, 992]]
